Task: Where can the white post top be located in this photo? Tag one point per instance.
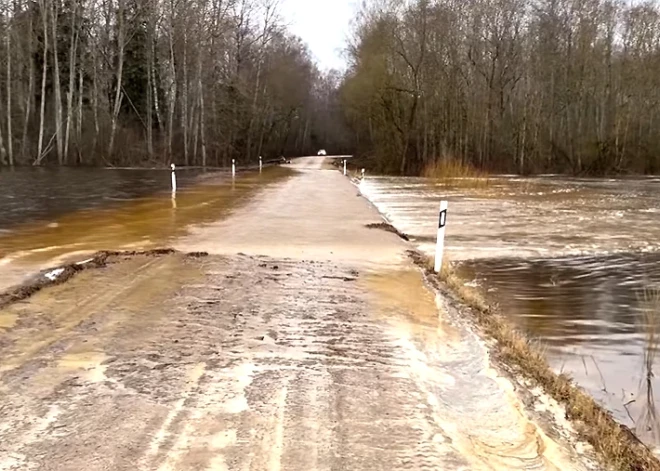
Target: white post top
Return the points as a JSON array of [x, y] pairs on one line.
[[172, 166], [232, 161]]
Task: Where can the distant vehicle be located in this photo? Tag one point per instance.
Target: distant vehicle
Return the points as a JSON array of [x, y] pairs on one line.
[[322, 152]]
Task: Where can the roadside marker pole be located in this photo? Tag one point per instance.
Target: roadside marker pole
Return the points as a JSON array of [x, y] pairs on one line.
[[439, 248], [344, 167], [260, 164], [362, 174], [233, 168], [173, 178]]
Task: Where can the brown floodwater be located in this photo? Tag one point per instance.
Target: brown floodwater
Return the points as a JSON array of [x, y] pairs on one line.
[[47, 218], [574, 262]]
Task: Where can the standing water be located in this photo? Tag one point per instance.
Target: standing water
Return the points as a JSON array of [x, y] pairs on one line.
[[49, 216], [573, 262]]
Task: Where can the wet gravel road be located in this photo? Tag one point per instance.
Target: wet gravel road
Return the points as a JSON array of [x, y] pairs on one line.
[[328, 354]]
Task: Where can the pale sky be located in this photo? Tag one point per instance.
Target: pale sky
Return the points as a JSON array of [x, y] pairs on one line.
[[323, 25]]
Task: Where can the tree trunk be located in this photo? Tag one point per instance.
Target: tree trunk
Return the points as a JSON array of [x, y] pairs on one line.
[[202, 125], [28, 98], [58, 88], [79, 117], [95, 103], [44, 16], [184, 96], [72, 79], [150, 89], [10, 150], [172, 90], [121, 39]]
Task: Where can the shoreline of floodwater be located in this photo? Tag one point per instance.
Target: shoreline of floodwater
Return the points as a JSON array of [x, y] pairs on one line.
[[615, 444]]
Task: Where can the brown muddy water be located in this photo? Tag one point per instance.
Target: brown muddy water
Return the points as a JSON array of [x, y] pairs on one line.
[[49, 216], [574, 262]]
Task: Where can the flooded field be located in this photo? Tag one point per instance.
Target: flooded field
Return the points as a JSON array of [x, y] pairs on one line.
[[575, 262], [55, 215]]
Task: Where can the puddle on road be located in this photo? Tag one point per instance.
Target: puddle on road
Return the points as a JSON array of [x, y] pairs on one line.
[[403, 291], [88, 362], [142, 223], [7, 320]]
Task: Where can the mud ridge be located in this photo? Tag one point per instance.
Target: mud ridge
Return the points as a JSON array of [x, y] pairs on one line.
[[615, 444], [388, 228], [64, 273]]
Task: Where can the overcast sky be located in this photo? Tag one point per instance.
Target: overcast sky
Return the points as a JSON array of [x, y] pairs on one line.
[[323, 25]]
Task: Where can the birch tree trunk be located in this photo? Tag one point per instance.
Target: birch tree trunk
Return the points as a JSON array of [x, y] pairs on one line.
[[73, 49], [202, 124], [28, 98], [44, 15], [172, 88], [57, 86], [121, 44], [150, 88], [79, 117], [10, 150], [184, 95]]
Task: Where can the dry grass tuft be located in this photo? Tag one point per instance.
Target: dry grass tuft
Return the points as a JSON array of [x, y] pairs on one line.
[[615, 444], [456, 173], [387, 227], [648, 424]]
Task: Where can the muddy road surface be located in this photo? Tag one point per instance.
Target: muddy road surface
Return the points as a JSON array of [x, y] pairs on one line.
[[303, 341]]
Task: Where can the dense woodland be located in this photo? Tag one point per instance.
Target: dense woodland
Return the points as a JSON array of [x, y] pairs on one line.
[[504, 85], [147, 82], [507, 85]]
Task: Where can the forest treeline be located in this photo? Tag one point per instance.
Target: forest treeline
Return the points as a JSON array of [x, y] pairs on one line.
[[503, 85], [506, 85], [143, 82]]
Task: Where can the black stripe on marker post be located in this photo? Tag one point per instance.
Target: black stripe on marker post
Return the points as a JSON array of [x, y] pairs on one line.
[[443, 219]]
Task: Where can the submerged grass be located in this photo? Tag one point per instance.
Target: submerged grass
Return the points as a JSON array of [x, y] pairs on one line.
[[647, 425], [456, 173], [616, 445]]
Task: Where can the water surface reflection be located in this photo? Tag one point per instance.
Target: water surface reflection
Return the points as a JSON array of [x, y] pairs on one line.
[[155, 219]]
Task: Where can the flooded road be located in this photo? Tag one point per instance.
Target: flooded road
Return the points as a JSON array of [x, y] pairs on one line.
[[304, 341], [108, 210], [574, 262]]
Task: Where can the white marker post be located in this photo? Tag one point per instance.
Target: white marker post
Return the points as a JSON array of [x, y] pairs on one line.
[[173, 178], [362, 174], [233, 168], [344, 167], [260, 164], [439, 248]]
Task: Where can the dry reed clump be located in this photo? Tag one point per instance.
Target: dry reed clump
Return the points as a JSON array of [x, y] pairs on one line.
[[647, 425], [617, 447], [457, 173]]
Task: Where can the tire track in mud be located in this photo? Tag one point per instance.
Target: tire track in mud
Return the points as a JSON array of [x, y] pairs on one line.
[[254, 364], [249, 367], [53, 353], [468, 400]]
